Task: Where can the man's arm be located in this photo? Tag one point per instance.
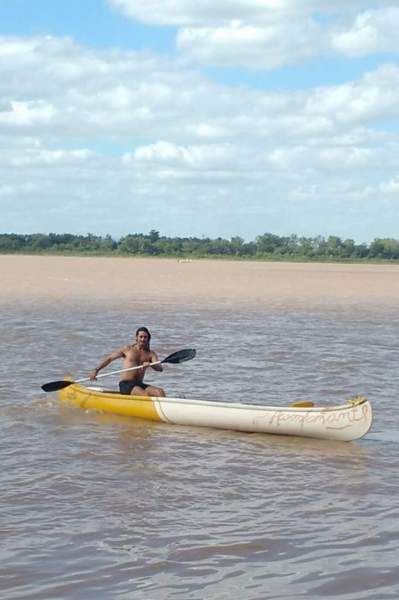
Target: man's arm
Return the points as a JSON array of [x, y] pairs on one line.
[[106, 361], [154, 358]]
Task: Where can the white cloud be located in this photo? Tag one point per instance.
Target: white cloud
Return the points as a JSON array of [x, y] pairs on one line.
[[391, 186], [46, 157], [373, 97], [194, 12], [209, 12], [193, 164], [252, 46], [208, 131], [16, 190], [372, 31], [31, 113], [335, 159]]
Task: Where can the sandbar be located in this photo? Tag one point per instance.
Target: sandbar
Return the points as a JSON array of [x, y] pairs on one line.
[[99, 280]]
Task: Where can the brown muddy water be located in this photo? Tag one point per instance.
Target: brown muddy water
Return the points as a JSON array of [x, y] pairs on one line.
[[96, 506]]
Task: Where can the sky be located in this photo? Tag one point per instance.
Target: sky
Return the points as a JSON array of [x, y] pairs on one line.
[[200, 118]]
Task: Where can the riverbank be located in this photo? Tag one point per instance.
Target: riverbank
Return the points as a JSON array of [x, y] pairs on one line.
[[108, 279], [294, 258]]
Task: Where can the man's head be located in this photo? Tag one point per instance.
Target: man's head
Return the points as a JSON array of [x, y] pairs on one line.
[[143, 337]]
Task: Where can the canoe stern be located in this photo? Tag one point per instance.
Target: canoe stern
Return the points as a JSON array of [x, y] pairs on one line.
[[89, 399]]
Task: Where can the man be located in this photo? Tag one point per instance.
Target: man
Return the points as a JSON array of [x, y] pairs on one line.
[[139, 354]]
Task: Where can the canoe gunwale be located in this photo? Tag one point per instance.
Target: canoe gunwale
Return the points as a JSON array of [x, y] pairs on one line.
[[349, 404]]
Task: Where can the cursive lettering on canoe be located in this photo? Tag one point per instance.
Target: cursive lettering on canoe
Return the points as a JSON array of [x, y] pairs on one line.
[[328, 419]]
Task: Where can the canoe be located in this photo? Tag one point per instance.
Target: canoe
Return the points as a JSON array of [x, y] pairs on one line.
[[346, 422]]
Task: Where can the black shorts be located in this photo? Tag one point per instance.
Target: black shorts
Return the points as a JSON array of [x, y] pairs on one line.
[[125, 387]]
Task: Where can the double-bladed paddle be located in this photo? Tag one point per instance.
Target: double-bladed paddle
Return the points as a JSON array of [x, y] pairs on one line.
[[176, 357]]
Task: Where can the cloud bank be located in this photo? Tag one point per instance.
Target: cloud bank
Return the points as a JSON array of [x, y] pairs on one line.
[[115, 141], [265, 35]]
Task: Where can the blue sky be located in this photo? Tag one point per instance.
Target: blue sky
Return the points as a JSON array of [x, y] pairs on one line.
[[89, 22], [122, 116]]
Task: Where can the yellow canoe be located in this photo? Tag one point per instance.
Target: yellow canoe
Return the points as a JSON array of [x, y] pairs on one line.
[[346, 422]]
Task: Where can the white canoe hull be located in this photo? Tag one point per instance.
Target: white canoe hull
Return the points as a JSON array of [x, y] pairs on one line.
[[346, 423]]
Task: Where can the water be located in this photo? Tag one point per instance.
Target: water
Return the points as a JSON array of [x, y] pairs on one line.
[[97, 506]]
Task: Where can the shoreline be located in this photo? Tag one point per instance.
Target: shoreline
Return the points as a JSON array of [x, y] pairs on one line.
[[216, 257], [153, 280]]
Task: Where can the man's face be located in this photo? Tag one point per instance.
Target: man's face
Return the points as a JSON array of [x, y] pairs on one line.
[[142, 339]]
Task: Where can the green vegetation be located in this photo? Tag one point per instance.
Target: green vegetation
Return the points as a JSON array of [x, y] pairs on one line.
[[265, 247]]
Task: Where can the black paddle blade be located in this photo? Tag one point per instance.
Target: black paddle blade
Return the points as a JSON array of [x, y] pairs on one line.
[[53, 386], [180, 356]]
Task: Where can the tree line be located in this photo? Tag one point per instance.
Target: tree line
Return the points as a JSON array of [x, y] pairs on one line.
[[266, 246]]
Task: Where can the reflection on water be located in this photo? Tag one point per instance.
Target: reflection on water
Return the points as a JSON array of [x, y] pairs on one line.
[[96, 505]]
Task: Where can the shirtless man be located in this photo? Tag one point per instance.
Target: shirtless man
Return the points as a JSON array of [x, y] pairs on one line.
[[139, 354]]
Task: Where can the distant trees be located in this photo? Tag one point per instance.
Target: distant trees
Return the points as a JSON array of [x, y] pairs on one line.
[[384, 248], [265, 246], [54, 242]]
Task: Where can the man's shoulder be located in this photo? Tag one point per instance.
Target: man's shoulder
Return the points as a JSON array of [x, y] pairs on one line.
[[128, 348]]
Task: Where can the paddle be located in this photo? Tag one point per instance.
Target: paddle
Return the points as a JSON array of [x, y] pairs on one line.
[[176, 357]]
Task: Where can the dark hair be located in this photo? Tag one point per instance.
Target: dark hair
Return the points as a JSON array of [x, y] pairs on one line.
[[147, 332]]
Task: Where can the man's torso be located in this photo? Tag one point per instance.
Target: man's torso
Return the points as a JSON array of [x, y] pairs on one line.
[[133, 357]]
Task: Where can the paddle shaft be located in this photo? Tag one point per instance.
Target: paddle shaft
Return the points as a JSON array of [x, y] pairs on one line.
[[158, 362]]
